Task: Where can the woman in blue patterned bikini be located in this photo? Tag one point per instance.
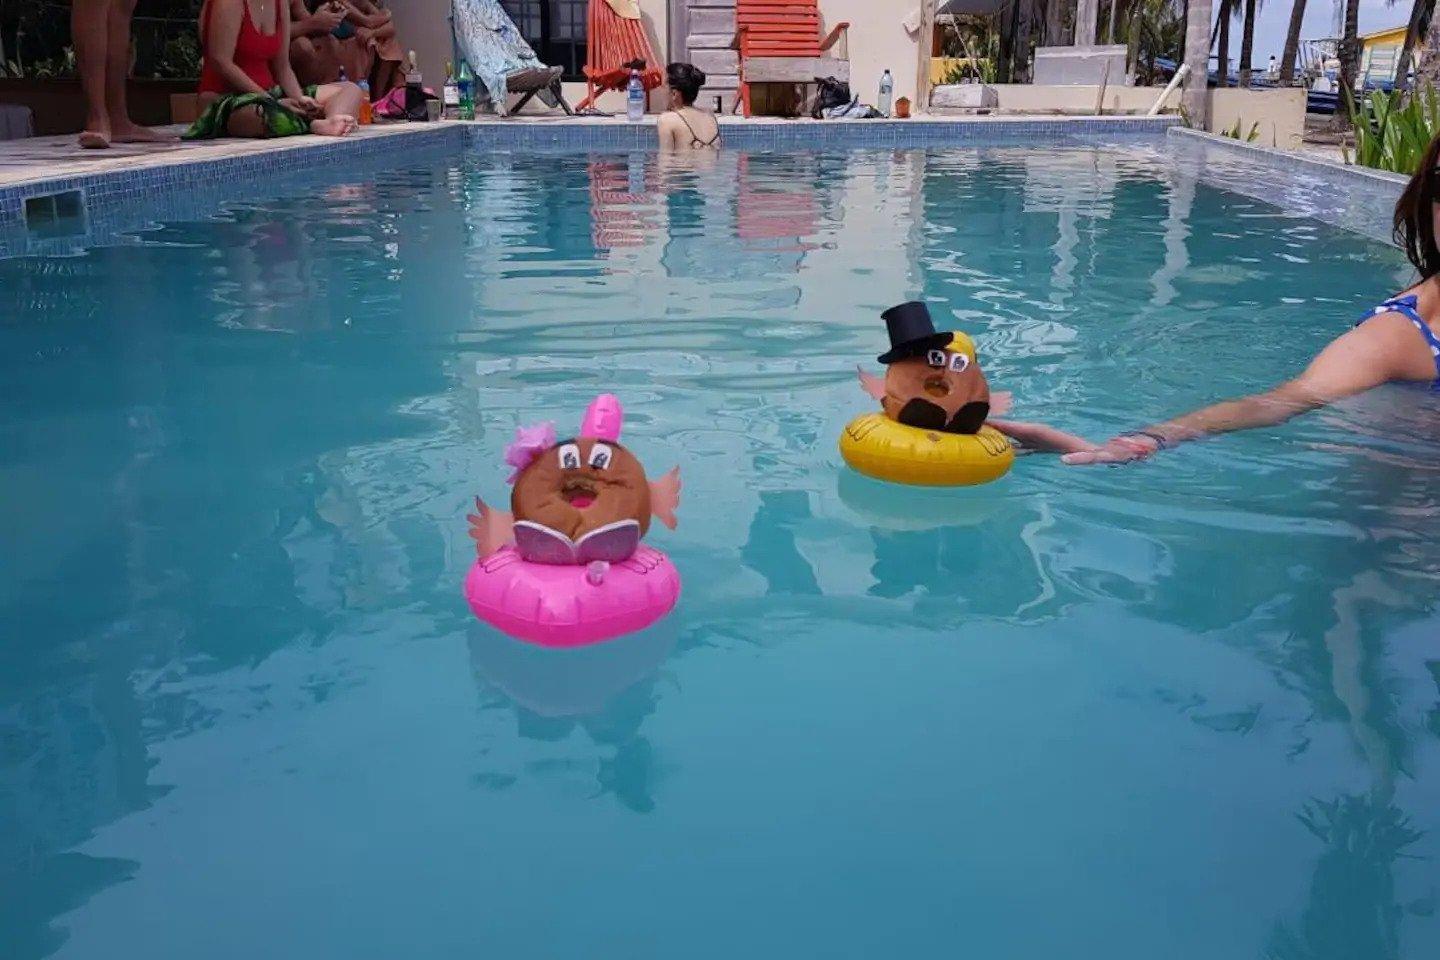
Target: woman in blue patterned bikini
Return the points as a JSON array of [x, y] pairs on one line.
[[1395, 342]]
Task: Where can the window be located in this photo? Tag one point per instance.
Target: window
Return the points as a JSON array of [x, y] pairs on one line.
[[555, 29]]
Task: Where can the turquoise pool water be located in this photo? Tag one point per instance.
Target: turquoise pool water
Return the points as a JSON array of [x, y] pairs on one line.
[[1189, 709]]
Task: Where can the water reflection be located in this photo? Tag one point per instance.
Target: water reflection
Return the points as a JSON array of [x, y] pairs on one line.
[[605, 691]]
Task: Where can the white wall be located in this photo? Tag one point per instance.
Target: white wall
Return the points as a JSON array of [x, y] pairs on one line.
[[1080, 98], [877, 41]]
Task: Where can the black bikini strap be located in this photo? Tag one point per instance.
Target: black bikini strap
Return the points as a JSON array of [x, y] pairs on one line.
[[695, 140]]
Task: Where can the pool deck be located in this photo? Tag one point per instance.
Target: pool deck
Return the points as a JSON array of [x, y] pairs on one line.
[[39, 159], [54, 158]]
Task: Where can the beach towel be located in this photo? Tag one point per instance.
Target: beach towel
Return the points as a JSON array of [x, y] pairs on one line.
[[280, 121], [494, 48]]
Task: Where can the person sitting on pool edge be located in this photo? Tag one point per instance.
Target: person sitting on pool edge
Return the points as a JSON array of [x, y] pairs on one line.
[[247, 85], [685, 126], [1395, 342]]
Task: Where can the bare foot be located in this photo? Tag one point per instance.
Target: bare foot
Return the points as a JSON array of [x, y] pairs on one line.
[[94, 140], [134, 133], [337, 126]]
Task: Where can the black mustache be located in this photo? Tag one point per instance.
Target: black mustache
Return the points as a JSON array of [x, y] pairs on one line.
[[928, 416]]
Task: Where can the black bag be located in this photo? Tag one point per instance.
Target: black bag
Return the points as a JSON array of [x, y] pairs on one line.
[[833, 93]]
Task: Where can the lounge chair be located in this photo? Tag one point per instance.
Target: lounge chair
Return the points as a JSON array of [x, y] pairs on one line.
[[616, 40], [501, 59], [779, 42]]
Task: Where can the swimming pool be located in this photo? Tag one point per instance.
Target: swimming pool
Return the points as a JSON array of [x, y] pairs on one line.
[[1184, 709]]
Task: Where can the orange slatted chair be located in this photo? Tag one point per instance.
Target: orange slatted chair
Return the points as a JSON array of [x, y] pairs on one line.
[[779, 42], [615, 36]]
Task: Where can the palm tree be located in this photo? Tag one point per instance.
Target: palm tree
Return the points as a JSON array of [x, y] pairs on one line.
[[1350, 45], [1197, 52], [1292, 43], [1247, 43], [1349, 57], [1420, 15], [1222, 58]]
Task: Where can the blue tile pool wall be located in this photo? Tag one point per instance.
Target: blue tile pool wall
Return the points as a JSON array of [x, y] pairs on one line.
[[126, 200]]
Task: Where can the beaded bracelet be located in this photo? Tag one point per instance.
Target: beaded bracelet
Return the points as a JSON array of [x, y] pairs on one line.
[[1161, 442]]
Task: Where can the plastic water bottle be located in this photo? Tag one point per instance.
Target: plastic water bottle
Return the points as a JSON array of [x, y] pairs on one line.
[[367, 115], [635, 97], [414, 90], [467, 91], [887, 88], [450, 94]]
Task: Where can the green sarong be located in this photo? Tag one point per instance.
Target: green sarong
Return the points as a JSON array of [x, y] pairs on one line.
[[280, 121]]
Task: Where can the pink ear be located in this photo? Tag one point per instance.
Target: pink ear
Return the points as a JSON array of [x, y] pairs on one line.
[[871, 384], [665, 497], [1000, 403]]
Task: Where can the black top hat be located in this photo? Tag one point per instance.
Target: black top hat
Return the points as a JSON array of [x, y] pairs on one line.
[[912, 332]]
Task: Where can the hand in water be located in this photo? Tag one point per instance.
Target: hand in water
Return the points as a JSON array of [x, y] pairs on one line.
[[1122, 449]]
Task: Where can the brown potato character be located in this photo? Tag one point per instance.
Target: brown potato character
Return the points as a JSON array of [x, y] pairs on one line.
[[577, 500], [932, 379], [581, 485]]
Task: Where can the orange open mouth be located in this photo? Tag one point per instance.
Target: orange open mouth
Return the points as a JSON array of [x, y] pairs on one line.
[[936, 387]]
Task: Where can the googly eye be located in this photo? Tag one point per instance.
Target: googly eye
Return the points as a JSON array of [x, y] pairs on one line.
[[600, 456], [569, 457], [959, 362], [936, 358]]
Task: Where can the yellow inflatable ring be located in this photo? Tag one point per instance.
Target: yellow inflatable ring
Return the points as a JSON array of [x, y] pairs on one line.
[[879, 447]]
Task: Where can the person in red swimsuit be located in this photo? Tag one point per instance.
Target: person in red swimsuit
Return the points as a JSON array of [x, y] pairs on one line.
[[247, 86]]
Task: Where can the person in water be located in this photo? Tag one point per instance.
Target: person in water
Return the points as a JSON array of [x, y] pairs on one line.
[[685, 126], [247, 85], [1397, 341]]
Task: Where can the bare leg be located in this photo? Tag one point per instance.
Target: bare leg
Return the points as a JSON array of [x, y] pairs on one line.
[[117, 73], [384, 78], [247, 122], [341, 102], [88, 28], [305, 59]]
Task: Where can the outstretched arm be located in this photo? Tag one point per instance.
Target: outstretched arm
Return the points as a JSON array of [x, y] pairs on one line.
[[1379, 351]]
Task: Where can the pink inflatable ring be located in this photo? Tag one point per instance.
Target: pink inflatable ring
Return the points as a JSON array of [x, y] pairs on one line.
[[569, 605]]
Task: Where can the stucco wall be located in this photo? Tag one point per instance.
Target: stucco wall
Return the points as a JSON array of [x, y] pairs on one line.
[[1080, 99], [877, 41], [1279, 112], [424, 26]]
